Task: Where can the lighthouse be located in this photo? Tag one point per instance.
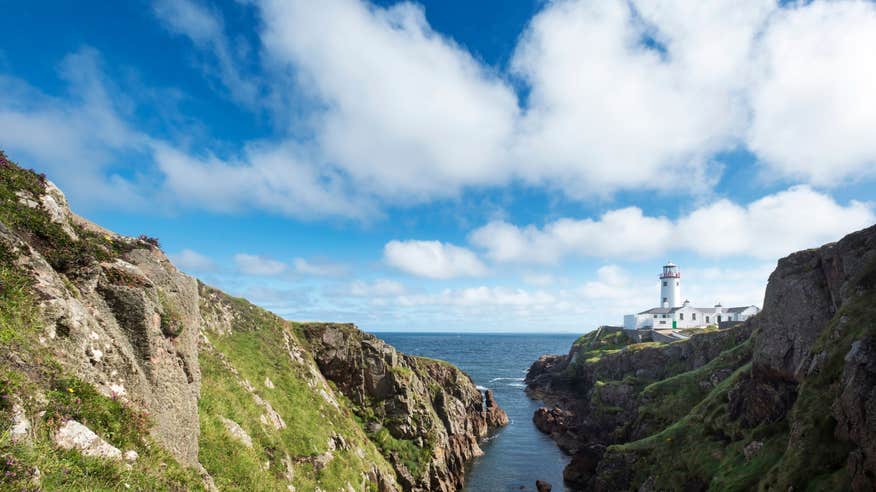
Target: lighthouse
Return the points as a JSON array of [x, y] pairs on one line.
[[670, 286]]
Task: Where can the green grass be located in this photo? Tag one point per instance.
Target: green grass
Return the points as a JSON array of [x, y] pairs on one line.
[[592, 346], [256, 349], [668, 399], [695, 449], [415, 458]]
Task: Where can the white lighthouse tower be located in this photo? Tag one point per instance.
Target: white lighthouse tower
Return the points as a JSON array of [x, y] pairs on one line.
[[670, 286]]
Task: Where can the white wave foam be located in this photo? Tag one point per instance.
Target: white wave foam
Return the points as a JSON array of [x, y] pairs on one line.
[[505, 379]]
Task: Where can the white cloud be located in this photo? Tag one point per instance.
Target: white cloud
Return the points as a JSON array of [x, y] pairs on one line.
[[406, 111], [259, 265], [773, 226], [432, 259], [607, 111], [481, 296], [319, 268], [625, 232], [814, 107], [379, 109], [190, 260], [280, 179], [540, 279], [77, 140], [770, 227], [378, 288]]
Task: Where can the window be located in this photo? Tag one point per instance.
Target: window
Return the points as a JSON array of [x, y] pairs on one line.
[[655, 315], [677, 282], [707, 319], [693, 316], [664, 283], [681, 316]]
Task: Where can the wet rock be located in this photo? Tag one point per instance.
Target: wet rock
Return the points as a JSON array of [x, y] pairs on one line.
[[496, 416], [542, 486]]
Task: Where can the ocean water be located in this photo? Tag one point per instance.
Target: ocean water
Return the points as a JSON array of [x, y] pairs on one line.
[[519, 454]]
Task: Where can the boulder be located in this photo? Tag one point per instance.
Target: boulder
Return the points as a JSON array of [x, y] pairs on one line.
[[73, 435], [237, 432]]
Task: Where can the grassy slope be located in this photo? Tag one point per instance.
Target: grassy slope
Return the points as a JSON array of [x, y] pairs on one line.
[[256, 349], [29, 374]]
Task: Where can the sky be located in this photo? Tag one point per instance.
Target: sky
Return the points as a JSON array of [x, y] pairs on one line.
[[450, 165]]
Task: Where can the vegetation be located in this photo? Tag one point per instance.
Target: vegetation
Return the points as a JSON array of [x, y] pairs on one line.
[[171, 319], [666, 400], [22, 210], [256, 349], [596, 344]]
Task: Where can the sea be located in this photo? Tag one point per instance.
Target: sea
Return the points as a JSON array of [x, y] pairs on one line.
[[518, 455]]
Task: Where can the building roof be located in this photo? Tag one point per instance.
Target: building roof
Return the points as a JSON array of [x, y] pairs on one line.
[[662, 310], [659, 310], [739, 309]]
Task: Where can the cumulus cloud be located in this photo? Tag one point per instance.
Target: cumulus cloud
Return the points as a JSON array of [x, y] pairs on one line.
[[633, 94], [259, 265], [190, 260], [813, 104], [433, 259], [624, 232], [406, 111], [379, 109], [770, 227]]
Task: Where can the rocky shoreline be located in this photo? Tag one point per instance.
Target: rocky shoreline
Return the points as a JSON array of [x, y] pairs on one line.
[[783, 400]]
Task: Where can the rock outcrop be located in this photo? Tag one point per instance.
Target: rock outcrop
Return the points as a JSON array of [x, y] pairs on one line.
[[784, 401], [408, 402]]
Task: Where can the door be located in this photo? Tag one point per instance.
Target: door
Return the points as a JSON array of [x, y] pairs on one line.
[[674, 324]]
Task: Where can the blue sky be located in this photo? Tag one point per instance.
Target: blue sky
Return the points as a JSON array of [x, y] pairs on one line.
[[450, 165]]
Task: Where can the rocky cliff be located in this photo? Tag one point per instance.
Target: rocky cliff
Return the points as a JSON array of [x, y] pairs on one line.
[[117, 371], [786, 401], [425, 414]]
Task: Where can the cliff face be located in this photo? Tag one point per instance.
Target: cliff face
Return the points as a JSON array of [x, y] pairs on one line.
[[117, 370], [425, 414], [785, 400]]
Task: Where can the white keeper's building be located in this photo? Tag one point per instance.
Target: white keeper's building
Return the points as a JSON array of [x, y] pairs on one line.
[[674, 314]]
